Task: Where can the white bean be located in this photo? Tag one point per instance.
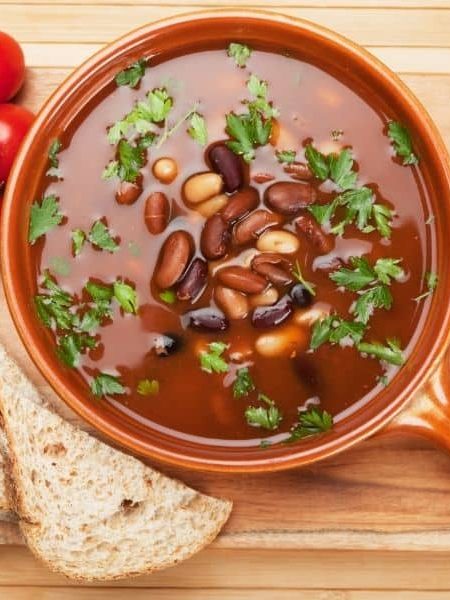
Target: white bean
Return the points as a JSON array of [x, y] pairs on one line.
[[266, 298], [233, 303], [278, 240], [213, 205], [286, 341], [203, 186]]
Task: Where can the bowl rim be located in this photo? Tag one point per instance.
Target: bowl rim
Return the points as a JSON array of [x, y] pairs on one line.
[[266, 461]]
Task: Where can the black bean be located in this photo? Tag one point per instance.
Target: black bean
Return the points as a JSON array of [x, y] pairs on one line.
[[207, 319], [301, 296], [228, 164], [166, 344], [271, 316]]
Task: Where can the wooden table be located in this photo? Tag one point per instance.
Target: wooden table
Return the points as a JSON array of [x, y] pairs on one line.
[[371, 524]]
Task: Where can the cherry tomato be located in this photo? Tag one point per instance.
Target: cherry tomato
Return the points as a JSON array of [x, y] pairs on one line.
[[14, 123], [12, 67]]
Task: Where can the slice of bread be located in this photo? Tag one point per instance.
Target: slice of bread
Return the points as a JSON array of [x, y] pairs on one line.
[[87, 510], [6, 513]]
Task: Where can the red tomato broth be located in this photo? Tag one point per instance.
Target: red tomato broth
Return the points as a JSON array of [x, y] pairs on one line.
[[191, 402]]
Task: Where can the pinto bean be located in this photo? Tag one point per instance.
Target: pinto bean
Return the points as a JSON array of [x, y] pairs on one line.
[[165, 170], [241, 279], [306, 225], [193, 281], [156, 214], [228, 164], [288, 198], [266, 298], [173, 258], [271, 316], [252, 226], [233, 303], [128, 193], [215, 238], [299, 171], [278, 240], [201, 187], [207, 319], [213, 205], [240, 204]]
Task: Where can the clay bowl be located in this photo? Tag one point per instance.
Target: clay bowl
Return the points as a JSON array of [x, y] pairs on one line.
[[165, 39]]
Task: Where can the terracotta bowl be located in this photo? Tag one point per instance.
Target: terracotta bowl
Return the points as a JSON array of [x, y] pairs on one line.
[[427, 414]]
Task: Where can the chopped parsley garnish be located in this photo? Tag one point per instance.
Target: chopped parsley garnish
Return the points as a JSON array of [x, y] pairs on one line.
[[148, 387], [99, 292], [105, 384], [401, 140], [53, 309], [311, 422], [133, 74], [70, 347], [378, 296], [126, 296], [335, 330], [43, 217], [197, 129], [100, 236], [390, 353], [78, 239], [317, 162], [286, 157], [431, 281], [168, 296], [240, 53], [243, 384], [60, 265], [130, 159], [297, 273], [213, 361], [261, 416], [54, 150], [341, 169]]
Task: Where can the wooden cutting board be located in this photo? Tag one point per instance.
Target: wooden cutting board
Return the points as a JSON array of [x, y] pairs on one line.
[[384, 494]]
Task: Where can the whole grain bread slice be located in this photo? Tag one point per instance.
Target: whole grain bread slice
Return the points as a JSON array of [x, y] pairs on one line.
[[87, 510], [6, 513]]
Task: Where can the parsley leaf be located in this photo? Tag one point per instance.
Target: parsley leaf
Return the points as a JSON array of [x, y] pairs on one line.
[[259, 88], [240, 53], [311, 422], [390, 353], [168, 296], [43, 217], [54, 308], [126, 296], [260, 416], [401, 139], [55, 148], [78, 239], [354, 279], [243, 384], [383, 219], [70, 347], [323, 213], [148, 387], [100, 236], [212, 361], [335, 330], [99, 292], [378, 296], [297, 273], [286, 156], [197, 129], [317, 162], [387, 269], [133, 74], [130, 159], [105, 384], [341, 169], [431, 281]]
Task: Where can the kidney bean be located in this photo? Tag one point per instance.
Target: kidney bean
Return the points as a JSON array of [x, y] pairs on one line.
[[271, 316], [299, 171], [306, 225], [301, 296], [278, 240], [252, 226], [228, 164], [266, 298], [213, 205], [207, 319], [242, 280], [240, 204], [215, 238], [233, 303], [128, 193], [201, 187], [156, 214], [173, 258], [288, 198], [272, 258], [272, 273], [263, 177], [193, 281], [165, 170]]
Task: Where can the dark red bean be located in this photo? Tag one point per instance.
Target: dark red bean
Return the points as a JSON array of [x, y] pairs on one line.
[[288, 198], [240, 204], [271, 316], [254, 225], [156, 214], [128, 193], [215, 238], [307, 225], [299, 171], [193, 281], [207, 319], [272, 273], [174, 257], [228, 164], [242, 280], [263, 177], [273, 258]]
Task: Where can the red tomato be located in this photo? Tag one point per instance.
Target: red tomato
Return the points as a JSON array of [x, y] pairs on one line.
[[12, 67], [14, 123]]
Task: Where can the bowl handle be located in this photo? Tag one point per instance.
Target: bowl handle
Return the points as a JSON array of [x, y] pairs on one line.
[[428, 412]]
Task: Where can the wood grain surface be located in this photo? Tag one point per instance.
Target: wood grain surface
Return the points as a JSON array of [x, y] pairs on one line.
[[371, 524]]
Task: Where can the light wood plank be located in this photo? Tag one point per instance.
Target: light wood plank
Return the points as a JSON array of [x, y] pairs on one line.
[[92, 24], [279, 4], [247, 569]]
